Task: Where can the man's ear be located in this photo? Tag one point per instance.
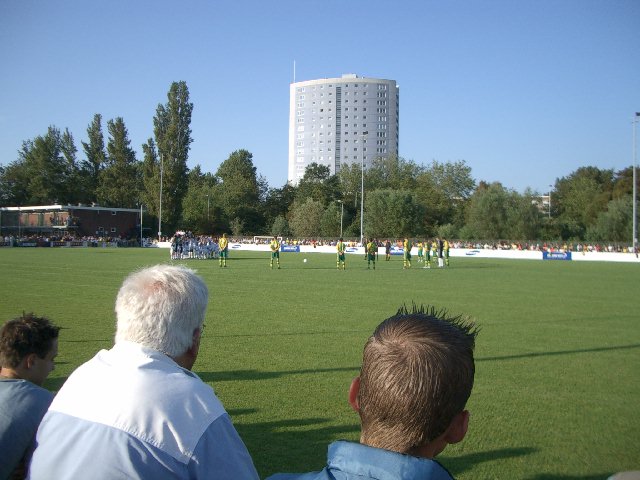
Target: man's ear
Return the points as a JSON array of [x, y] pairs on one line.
[[195, 342], [29, 360], [458, 427], [353, 394]]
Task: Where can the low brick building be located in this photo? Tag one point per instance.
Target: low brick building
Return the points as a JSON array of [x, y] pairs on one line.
[[75, 220]]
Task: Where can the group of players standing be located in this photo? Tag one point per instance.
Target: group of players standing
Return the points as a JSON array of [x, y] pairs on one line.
[[205, 247], [202, 248], [437, 249]]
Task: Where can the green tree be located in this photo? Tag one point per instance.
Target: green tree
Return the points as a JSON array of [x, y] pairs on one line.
[[151, 178], [201, 211], [277, 203], [91, 167], [42, 171], [580, 198], [14, 184], [119, 182], [524, 220], [391, 213], [350, 183], [239, 191], [392, 172], [237, 227], [330, 221], [76, 189], [623, 182], [614, 225], [487, 213], [444, 190], [319, 184], [306, 218], [280, 227], [172, 130]]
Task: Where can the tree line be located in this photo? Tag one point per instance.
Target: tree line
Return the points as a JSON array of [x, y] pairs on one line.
[[401, 197]]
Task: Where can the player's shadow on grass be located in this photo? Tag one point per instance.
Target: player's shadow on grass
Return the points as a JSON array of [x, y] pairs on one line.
[[468, 266], [86, 340], [560, 352], [237, 259], [553, 476], [298, 445], [234, 375], [293, 334], [301, 445], [53, 384], [463, 463]]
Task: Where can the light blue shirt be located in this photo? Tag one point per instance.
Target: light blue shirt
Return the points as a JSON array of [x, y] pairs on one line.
[[132, 412], [22, 406], [347, 460]]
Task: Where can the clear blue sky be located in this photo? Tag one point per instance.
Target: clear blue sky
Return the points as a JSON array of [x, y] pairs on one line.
[[523, 91]]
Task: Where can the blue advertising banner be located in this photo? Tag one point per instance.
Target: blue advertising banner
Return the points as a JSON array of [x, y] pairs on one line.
[[290, 248], [556, 255]]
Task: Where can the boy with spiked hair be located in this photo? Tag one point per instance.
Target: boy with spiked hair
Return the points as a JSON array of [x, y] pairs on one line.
[[416, 377]]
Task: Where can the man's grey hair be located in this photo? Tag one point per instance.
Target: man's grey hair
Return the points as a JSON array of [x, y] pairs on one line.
[[160, 307]]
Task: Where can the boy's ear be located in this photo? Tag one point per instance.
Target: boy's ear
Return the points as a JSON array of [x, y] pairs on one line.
[[458, 428], [353, 394], [30, 360]]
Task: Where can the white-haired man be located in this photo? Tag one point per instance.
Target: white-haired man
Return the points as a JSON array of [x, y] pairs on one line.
[[137, 410]]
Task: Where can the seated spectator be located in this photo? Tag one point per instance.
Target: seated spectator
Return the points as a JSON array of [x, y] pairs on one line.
[[28, 347], [137, 410], [416, 376]]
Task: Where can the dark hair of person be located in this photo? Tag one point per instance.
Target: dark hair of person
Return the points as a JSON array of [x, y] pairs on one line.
[[25, 335]]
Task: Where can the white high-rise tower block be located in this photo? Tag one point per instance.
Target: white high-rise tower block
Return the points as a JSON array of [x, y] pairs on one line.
[[341, 121]]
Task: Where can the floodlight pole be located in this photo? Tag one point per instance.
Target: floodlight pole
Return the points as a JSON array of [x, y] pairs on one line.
[[160, 209], [341, 215], [362, 191], [635, 188], [550, 187]]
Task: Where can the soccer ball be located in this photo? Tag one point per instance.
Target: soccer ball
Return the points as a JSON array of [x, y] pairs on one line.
[[305, 260]]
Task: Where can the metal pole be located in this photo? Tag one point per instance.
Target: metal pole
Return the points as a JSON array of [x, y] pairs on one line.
[[635, 198], [141, 224], [362, 191], [207, 208], [160, 209], [341, 215], [550, 187]]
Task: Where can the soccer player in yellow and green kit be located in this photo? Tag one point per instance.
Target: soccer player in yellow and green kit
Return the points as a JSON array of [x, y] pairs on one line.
[[420, 247], [445, 248], [341, 247], [223, 243], [274, 245], [371, 250], [434, 250], [407, 253], [427, 254]]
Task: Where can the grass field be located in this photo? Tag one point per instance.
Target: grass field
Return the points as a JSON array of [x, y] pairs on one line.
[[557, 392]]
